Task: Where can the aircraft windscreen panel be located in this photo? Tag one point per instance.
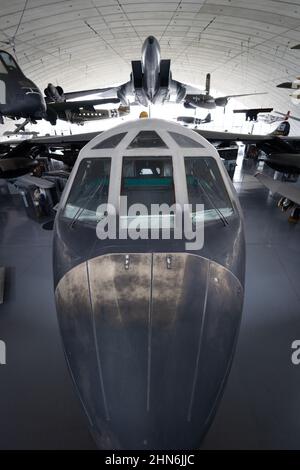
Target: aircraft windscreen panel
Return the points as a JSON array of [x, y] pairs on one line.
[[147, 139], [205, 185], [3, 69], [184, 141], [8, 61], [89, 191], [148, 181]]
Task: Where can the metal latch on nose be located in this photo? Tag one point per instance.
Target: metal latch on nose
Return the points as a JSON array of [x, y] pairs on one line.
[[127, 262], [169, 261]]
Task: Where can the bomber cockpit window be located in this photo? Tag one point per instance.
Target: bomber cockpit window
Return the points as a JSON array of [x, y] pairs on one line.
[[111, 142], [184, 141], [89, 191], [147, 139], [3, 69], [149, 181], [9, 61], [205, 185]]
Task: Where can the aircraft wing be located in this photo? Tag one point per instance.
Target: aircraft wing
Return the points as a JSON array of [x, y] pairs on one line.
[[190, 89], [244, 94], [288, 190], [84, 138], [72, 144], [75, 105], [290, 117], [215, 136], [110, 92]]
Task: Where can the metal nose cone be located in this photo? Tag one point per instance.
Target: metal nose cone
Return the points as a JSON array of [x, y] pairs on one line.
[[149, 339]]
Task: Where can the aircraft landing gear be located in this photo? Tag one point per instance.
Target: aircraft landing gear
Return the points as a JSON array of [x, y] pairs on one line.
[[295, 215], [280, 202], [284, 204]]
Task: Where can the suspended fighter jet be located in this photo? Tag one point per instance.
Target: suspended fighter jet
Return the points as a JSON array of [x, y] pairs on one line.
[[151, 82]]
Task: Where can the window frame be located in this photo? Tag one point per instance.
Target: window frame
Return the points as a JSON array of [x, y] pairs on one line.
[[121, 151]]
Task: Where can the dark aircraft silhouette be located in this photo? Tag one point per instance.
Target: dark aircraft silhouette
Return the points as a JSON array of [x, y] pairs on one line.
[[251, 114], [21, 98], [205, 100], [194, 120], [295, 85]]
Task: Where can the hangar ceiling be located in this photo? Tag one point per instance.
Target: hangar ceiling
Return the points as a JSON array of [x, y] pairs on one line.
[[245, 45]]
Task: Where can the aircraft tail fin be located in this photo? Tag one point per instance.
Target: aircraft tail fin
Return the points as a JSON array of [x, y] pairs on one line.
[[207, 84], [283, 129], [208, 118]]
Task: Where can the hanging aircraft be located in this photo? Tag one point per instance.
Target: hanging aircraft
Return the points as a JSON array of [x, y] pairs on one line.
[[205, 100], [295, 85], [192, 120], [252, 114], [79, 112], [21, 98], [150, 82], [264, 115]]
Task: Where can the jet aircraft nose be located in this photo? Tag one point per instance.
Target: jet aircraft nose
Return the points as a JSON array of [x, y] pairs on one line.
[[149, 338], [35, 103], [151, 41]]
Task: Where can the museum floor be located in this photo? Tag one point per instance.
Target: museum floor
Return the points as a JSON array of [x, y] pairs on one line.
[[260, 408]]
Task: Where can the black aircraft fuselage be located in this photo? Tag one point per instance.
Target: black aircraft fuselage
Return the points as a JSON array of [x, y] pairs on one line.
[[19, 96]]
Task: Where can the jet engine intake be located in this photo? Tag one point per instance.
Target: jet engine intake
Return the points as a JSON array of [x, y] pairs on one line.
[[54, 94]]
